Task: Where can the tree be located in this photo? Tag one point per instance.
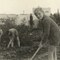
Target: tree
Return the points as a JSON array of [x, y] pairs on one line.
[[57, 17], [31, 22]]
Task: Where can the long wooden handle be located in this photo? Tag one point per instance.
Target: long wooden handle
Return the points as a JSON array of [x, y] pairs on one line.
[[36, 52], [40, 46]]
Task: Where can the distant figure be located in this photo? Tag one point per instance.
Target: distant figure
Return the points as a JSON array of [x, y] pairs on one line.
[[31, 21], [51, 33], [13, 33], [1, 33]]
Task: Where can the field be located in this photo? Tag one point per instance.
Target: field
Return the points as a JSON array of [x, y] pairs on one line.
[[29, 44]]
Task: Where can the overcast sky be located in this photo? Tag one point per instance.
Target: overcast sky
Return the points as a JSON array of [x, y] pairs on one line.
[[17, 6]]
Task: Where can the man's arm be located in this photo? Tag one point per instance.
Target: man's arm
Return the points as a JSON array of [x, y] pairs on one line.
[[46, 31]]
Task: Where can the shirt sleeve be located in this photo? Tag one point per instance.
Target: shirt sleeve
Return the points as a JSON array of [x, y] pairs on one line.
[[46, 31]]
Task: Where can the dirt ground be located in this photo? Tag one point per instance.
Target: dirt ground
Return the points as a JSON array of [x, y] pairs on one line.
[[22, 53], [29, 46]]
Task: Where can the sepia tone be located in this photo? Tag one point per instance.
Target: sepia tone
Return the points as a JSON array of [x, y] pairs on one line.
[[29, 30]]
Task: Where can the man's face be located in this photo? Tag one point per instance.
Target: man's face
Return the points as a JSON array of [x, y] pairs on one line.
[[39, 15]]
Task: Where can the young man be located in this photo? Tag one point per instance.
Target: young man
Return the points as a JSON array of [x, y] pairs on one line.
[[13, 33], [51, 32]]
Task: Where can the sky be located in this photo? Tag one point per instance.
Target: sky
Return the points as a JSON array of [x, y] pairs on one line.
[[26, 6]]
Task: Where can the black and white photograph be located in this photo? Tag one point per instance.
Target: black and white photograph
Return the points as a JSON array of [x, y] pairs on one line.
[[29, 29]]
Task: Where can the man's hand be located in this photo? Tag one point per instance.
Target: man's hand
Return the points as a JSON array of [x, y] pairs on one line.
[[43, 45], [31, 34], [40, 45]]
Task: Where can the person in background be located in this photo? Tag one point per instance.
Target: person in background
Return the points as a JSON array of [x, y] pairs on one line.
[[13, 33], [51, 33]]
